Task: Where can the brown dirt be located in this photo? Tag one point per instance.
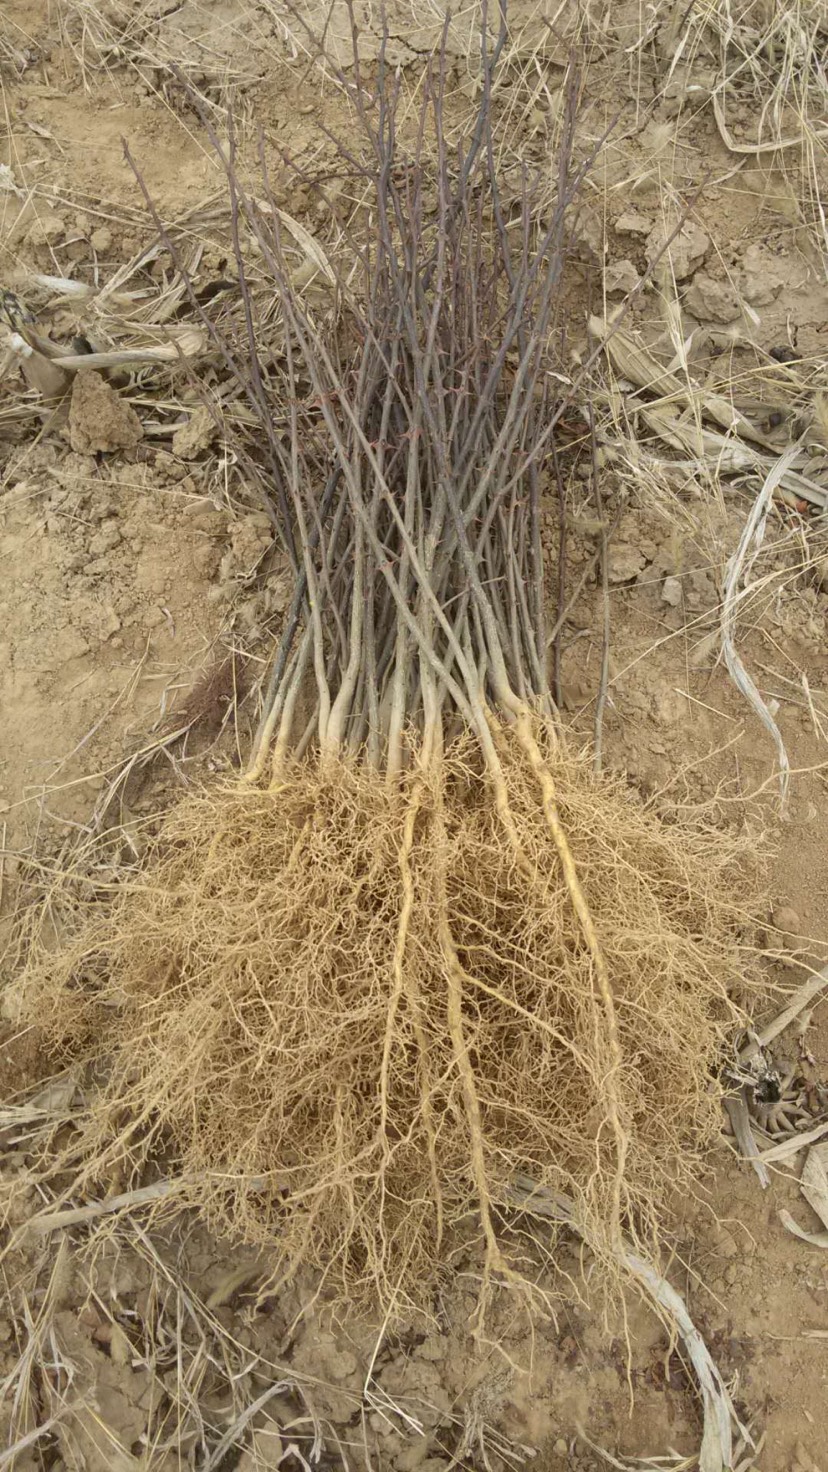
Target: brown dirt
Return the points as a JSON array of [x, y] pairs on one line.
[[128, 573]]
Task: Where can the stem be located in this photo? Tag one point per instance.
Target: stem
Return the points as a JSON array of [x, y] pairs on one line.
[[611, 1083], [601, 700]]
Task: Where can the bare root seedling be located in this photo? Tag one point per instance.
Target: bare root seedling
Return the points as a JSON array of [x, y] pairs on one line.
[[420, 948]]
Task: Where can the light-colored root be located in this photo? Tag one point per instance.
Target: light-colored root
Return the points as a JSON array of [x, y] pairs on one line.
[[456, 979], [405, 984], [355, 1017], [620, 1127]]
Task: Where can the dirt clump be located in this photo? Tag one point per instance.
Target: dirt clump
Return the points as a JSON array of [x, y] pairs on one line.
[[100, 421]]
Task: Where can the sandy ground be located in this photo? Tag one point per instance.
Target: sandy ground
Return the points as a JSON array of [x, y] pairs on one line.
[[130, 568]]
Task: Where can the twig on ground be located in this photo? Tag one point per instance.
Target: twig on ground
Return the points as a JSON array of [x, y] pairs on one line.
[[738, 568]]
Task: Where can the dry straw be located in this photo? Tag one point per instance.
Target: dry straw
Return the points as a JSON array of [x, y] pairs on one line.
[[420, 949]]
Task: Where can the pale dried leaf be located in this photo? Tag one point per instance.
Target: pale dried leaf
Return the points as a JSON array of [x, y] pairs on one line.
[[737, 570], [816, 1239], [230, 1283], [56, 1096], [798, 1002], [307, 242], [739, 1117], [814, 1183], [7, 184], [635, 362], [786, 1148]]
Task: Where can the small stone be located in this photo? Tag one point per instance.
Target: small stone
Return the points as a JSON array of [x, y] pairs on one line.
[[46, 229], [201, 505], [412, 1457], [168, 467], [632, 223], [206, 559], [560, 1447], [210, 523], [667, 708], [76, 250], [700, 591], [102, 507], [711, 301], [69, 644], [625, 562], [764, 275], [101, 240], [620, 276], [152, 578], [261, 521], [786, 921], [110, 622], [671, 592], [683, 255], [194, 436], [105, 540], [575, 692]]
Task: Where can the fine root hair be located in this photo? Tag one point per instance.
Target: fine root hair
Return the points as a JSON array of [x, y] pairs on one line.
[[352, 1016]]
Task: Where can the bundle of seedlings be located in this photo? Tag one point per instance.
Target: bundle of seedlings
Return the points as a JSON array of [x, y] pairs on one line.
[[419, 950]]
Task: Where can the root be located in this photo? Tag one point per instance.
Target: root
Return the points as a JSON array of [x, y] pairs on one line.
[[354, 1018], [456, 978], [405, 984], [620, 1129]]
